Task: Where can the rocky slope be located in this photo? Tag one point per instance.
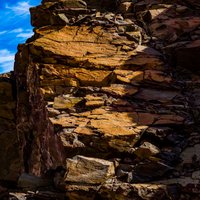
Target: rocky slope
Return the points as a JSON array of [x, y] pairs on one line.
[[104, 102]]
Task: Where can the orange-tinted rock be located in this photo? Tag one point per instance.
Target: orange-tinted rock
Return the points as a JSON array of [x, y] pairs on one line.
[[129, 76], [126, 7], [85, 170], [119, 129], [94, 82], [120, 90], [89, 50]]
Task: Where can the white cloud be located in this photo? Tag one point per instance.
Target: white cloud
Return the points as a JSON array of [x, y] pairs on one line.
[[21, 8], [6, 60], [6, 67], [17, 30], [6, 55], [2, 32], [25, 35]]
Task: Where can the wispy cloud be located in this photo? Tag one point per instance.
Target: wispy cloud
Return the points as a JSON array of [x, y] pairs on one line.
[[6, 60], [21, 8], [6, 67], [5, 55], [17, 30], [24, 35], [2, 32]]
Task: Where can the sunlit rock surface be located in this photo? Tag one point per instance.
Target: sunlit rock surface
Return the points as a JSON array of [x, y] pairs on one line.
[[104, 102]]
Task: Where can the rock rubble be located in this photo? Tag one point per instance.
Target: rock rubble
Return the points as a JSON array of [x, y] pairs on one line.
[[106, 103]]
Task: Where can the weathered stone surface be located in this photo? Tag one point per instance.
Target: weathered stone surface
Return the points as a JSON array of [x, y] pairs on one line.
[[157, 95], [66, 102], [119, 190], [190, 153], [101, 130], [81, 192], [146, 150], [175, 27], [98, 52], [129, 76], [126, 7], [120, 90], [147, 171], [105, 86], [10, 158], [34, 130], [87, 170]]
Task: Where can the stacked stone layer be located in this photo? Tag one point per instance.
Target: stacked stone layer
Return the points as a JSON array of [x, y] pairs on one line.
[[108, 98]]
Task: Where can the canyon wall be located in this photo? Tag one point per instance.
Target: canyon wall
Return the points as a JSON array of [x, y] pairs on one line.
[[105, 95]]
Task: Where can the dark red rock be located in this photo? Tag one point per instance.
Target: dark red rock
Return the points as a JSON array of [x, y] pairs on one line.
[[188, 56]]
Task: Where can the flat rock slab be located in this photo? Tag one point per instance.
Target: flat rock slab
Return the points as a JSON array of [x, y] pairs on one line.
[[102, 129], [115, 190], [87, 170], [96, 48]]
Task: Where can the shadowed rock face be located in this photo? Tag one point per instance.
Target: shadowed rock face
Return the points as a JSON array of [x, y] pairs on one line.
[[10, 158], [106, 100]]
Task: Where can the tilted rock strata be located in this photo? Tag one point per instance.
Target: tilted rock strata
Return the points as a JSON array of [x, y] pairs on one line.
[[105, 101]]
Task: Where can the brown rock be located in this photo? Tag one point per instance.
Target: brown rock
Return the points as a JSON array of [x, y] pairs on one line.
[[146, 150], [188, 53], [93, 78], [10, 158], [172, 28], [118, 190], [98, 52], [157, 76], [89, 84], [157, 95], [146, 171], [126, 7], [94, 101], [129, 76], [189, 153], [66, 102], [81, 192], [118, 130], [87, 170], [120, 90]]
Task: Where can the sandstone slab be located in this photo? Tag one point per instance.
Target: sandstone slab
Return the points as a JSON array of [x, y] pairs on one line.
[[121, 191], [66, 102], [87, 170]]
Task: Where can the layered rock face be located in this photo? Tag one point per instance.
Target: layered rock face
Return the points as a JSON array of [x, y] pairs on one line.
[[9, 149], [108, 98]]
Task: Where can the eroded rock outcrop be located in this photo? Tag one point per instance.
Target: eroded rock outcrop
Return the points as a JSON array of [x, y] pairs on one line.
[[10, 158], [107, 99]]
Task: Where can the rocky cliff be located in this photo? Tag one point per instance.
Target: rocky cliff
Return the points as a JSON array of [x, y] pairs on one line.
[[104, 102]]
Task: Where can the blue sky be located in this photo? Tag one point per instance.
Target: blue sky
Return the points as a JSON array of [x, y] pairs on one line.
[[15, 28]]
